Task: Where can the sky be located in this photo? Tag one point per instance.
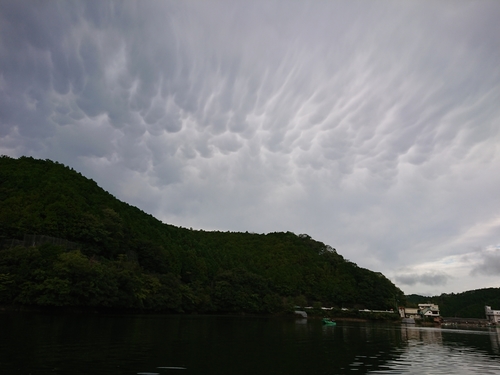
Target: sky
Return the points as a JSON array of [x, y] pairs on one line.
[[372, 126]]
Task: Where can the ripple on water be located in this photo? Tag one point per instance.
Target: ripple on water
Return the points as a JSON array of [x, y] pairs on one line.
[[439, 359]]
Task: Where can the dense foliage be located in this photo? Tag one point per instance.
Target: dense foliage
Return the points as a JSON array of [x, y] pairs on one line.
[[468, 304], [67, 242]]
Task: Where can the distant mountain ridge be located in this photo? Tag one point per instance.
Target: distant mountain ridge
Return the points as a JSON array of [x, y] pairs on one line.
[[125, 258], [469, 304]]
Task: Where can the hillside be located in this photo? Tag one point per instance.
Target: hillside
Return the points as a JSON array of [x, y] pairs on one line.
[[67, 242], [468, 304]]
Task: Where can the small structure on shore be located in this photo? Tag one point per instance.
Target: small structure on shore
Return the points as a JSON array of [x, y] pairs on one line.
[[303, 314], [424, 310], [454, 321], [492, 316]]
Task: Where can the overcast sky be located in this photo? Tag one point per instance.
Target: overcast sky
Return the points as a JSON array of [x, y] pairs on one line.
[[372, 126]]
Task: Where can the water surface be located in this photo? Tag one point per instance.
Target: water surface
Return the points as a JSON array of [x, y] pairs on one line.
[[130, 344]]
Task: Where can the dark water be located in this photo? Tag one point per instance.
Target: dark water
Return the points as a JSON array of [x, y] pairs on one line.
[[187, 345]]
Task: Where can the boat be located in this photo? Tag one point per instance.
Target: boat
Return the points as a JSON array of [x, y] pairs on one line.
[[329, 322]]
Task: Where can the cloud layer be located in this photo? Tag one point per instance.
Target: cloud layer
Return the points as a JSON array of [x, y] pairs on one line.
[[371, 126]]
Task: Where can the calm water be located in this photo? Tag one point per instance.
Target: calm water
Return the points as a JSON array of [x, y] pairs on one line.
[[188, 345]]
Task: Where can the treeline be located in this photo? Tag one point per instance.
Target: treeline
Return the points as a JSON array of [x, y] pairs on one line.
[[121, 257], [468, 304]]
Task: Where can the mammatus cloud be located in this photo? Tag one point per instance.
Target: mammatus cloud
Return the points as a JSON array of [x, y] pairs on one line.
[[373, 127]]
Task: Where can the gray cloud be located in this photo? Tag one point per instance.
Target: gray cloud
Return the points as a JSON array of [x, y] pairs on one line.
[[372, 126], [487, 262], [427, 278]]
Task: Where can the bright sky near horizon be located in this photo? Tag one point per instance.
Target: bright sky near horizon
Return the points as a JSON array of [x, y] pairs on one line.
[[372, 126]]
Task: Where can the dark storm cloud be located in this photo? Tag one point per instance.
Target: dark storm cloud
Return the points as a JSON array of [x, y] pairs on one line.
[[372, 126]]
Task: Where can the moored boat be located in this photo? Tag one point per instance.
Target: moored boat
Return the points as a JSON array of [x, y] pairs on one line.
[[329, 322]]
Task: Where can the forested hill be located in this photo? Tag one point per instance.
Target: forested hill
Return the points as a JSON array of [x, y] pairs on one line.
[[468, 304], [66, 242]]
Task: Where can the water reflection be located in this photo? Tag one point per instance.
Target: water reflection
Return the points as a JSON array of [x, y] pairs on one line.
[[425, 335], [445, 351], [119, 345], [495, 339]]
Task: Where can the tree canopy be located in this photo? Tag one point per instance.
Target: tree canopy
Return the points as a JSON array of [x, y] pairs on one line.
[[469, 304], [67, 242]]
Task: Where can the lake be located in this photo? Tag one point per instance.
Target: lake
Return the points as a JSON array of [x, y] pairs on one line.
[[77, 344]]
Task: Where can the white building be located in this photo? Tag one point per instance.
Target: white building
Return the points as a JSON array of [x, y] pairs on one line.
[[428, 309], [408, 312], [424, 310], [492, 316]]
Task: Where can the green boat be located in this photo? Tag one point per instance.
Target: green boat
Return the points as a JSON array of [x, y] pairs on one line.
[[329, 322]]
